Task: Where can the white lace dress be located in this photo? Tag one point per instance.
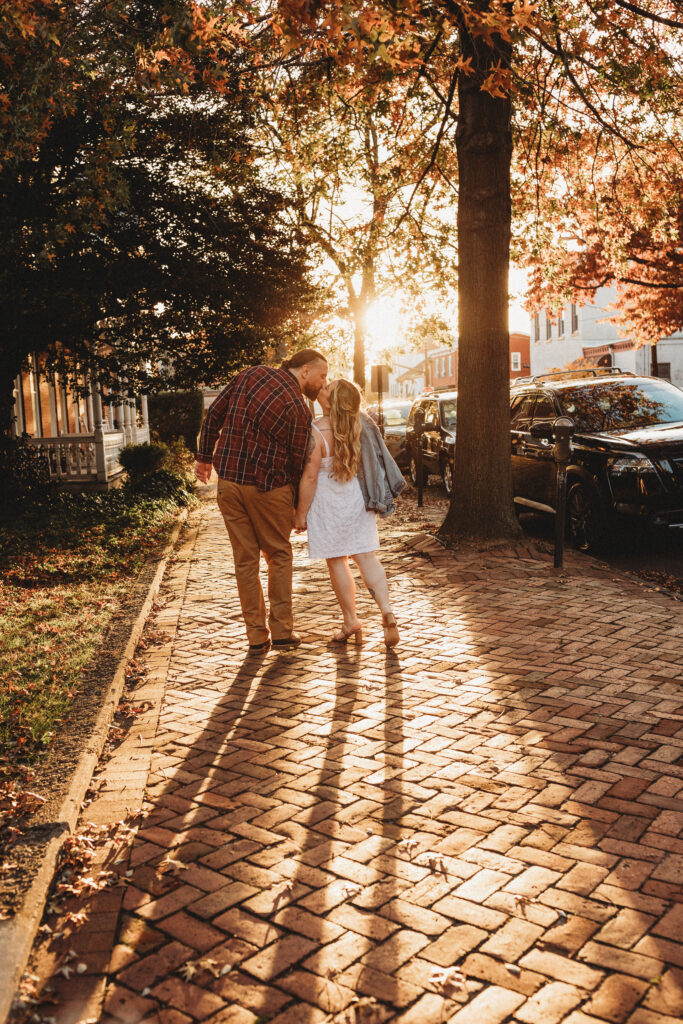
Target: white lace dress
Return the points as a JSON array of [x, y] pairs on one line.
[[337, 522]]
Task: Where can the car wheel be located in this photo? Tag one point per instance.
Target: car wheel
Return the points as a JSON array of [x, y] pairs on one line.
[[585, 520], [447, 475], [413, 473]]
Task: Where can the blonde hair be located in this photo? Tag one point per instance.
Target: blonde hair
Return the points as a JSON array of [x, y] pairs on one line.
[[346, 428]]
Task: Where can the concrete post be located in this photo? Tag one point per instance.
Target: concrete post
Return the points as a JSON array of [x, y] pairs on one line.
[[89, 404], [52, 401], [127, 422], [63, 405], [19, 411], [35, 396], [98, 424]]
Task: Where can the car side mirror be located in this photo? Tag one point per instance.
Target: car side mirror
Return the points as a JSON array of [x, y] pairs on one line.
[[542, 431]]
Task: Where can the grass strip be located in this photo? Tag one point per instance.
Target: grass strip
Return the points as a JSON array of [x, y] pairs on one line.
[[65, 566]]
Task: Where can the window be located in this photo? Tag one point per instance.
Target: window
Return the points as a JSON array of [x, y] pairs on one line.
[[548, 326], [574, 313], [605, 405], [560, 324], [450, 365], [537, 327], [664, 370], [515, 361], [448, 408], [545, 408], [521, 413]]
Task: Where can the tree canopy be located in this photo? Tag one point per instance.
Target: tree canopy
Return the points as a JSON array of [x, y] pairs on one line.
[[136, 230], [551, 127]]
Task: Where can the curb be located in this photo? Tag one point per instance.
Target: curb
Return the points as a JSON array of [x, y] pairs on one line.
[[18, 933]]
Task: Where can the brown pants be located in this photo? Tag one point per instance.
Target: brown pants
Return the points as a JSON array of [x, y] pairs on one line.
[[261, 521]]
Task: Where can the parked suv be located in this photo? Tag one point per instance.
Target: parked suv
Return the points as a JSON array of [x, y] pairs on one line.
[[438, 436], [627, 458], [395, 412]]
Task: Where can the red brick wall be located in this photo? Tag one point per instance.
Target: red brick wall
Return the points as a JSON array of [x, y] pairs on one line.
[[519, 343]]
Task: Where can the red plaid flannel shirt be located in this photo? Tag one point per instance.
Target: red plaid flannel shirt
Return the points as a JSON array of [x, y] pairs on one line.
[[261, 424]]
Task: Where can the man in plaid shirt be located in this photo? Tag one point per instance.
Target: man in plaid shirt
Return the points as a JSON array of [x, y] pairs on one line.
[[256, 436]]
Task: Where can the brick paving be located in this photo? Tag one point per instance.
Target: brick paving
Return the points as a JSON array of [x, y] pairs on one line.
[[482, 826]]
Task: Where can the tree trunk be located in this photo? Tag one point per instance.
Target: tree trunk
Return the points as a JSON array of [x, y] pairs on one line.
[[359, 349], [481, 501]]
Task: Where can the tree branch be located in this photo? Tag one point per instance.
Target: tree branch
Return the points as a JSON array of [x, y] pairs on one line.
[[635, 9]]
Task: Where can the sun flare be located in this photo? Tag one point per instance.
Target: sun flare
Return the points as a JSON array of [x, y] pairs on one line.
[[384, 327]]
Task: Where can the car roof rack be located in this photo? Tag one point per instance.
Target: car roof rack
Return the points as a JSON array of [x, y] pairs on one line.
[[428, 392], [588, 371]]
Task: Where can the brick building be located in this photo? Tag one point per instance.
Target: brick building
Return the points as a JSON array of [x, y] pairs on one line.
[[443, 363]]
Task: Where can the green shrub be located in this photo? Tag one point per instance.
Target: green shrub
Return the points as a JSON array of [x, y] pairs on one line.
[[24, 472], [165, 484], [177, 414], [139, 460], [179, 459]]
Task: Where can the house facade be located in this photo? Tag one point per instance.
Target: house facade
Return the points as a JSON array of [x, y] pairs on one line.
[[580, 333], [77, 426], [442, 363]]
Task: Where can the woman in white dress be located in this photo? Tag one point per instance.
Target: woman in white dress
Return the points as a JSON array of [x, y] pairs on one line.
[[332, 509]]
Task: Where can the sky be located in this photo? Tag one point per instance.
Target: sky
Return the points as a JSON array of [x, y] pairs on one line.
[[385, 327]]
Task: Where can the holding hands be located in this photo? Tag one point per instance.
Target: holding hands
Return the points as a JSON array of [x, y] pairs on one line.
[[299, 521]]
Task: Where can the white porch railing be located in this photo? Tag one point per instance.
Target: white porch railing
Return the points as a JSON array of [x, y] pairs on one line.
[[86, 458]]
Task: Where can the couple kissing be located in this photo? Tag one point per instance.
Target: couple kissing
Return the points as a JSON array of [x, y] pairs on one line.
[[279, 469]]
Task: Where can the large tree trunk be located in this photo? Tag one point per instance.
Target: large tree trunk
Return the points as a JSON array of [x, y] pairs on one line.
[[359, 305], [359, 350], [481, 501]]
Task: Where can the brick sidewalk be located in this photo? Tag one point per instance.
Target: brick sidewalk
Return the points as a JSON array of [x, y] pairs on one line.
[[480, 827]]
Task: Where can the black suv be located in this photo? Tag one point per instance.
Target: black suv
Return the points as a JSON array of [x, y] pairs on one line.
[[438, 436], [395, 412], [627, 458]]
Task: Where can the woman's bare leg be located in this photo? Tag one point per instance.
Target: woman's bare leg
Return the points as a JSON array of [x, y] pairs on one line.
[[344, 587], [375, 578]]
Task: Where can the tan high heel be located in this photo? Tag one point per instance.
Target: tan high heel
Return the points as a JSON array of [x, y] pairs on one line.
[[344, 635], [391, 637]]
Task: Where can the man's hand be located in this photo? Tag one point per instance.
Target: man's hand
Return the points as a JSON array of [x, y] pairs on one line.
[[202, 470], [299, 522]]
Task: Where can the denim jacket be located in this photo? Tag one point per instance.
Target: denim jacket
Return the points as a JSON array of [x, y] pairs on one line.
[[379, 477]]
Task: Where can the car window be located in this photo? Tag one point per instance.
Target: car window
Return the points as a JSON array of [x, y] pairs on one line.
[[621, 406], [448, 413], [515, 404], [545, 408], [396, 415], [431, 412], [521, 414]]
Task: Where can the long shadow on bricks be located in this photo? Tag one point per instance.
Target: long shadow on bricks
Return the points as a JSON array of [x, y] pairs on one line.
[[251, 863]]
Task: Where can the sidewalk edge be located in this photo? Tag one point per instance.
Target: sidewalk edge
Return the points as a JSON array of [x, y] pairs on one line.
[[17, 934]]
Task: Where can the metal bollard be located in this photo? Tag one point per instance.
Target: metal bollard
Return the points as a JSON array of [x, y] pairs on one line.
[[563, 429]]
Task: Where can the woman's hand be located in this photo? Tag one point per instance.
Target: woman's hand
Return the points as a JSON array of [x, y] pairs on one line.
[[299, 522]]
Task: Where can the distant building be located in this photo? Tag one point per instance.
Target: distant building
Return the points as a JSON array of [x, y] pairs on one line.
[[577, 336], [443, 362]]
